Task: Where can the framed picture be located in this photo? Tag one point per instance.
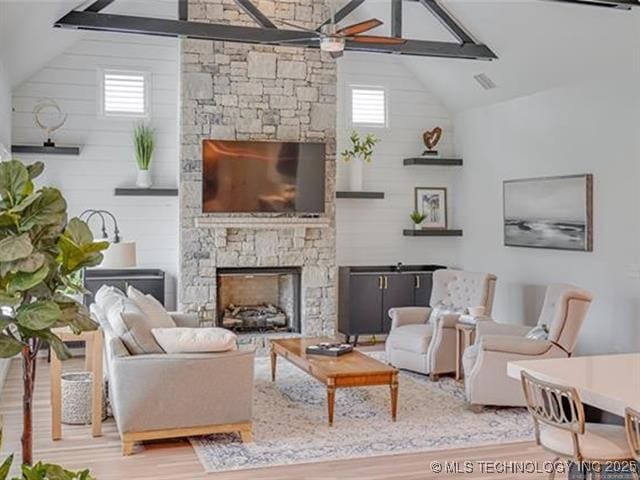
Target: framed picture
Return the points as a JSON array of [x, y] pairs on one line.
[[432, 202], [552, 212]]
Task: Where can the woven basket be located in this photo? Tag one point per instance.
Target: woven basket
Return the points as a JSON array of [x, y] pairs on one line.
[[76, 398]]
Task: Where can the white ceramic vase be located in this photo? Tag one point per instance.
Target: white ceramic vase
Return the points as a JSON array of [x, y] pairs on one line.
[[356, 174], [144, 179], [417, 226]]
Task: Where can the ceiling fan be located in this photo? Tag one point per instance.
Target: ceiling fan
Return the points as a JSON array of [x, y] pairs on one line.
[[334, 40]]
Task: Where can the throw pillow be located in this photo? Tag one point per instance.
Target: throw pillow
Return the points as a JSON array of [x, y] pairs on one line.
[[538, 333], [107, 296], [152, 308], [195, 340], [133, 327]]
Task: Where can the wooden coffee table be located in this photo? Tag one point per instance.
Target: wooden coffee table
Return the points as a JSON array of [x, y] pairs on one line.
[[349, 370]]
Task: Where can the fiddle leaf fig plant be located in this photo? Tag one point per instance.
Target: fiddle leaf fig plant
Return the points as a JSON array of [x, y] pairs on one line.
[[40, 252], [42, 471]]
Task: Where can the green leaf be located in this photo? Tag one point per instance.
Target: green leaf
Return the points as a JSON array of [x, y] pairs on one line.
[[22, 281], [77, 317], [35, 170], [15, 247], [58, 345], [6, 466], [30, 264], [9, 300], [14, 181], [9, 347], [20, 207], [79, 232], [48, 209], [38, 315], [8, 219]]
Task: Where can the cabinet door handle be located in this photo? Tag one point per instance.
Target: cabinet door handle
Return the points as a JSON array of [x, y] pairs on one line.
[[380, 282], [386, 282], [417, 281]]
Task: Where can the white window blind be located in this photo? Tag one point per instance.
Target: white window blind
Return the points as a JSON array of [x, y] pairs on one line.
[[368, 106], [124, 93]]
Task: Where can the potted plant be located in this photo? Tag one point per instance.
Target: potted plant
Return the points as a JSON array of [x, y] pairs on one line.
[[42, 471], [40, 251], [144, 142], [417, 218], [361, 152]]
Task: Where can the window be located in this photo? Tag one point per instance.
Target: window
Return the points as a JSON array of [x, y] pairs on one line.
[[125, 93], [368, 106]]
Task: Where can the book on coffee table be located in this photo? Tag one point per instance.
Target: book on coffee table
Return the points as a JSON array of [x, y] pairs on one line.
[[329, 349]]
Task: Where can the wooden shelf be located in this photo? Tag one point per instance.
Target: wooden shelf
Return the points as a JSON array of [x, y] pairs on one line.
[[146, 192], [42, 150], [362, 195], [432, 233], [433, 161]]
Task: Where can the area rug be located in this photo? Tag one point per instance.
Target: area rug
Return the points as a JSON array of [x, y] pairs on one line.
[[290, 425]]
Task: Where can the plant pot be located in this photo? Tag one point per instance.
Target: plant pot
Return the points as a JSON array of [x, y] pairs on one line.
[[144, 179], [76, 398], [417, 226], [356, 174]]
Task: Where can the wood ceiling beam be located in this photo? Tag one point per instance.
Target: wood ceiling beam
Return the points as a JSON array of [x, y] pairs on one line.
[[98, 5], [616, 4], [450, 23], [233, 33], [183, 10], [396, 18], [342, 13]]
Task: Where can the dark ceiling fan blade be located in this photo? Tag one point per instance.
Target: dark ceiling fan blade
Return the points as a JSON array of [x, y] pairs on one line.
[[359, 27], [292, 40], [376, 39]]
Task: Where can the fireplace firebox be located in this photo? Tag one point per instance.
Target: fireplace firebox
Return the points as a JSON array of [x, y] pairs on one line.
[[258, 300]]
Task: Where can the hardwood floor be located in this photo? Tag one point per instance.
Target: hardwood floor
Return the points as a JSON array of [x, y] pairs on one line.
[[177, 460]]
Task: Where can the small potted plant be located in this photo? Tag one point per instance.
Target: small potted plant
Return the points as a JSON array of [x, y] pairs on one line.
[[144, 142], [417, 218], [361, 152]]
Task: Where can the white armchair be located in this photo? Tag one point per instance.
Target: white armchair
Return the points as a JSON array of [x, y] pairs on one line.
[[424, 339], [485, 363]]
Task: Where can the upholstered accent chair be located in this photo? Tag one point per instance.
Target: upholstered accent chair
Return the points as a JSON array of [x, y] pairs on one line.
[[423, 339], [560, 426], [485, 363]]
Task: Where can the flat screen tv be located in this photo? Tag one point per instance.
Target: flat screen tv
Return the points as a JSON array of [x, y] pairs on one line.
[[253, 177]]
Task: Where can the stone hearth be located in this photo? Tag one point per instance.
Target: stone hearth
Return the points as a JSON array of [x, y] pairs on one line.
[[236, 91]]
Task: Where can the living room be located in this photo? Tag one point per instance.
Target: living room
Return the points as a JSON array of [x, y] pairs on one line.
[[437, 187]]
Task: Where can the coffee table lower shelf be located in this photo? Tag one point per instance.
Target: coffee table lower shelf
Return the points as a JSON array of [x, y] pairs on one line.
[[347, 371]]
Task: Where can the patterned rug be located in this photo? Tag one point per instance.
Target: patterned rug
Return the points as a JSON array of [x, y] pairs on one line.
[[290, 425]]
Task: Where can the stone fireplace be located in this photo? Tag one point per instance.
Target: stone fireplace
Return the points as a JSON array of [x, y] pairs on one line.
[[233, 91]]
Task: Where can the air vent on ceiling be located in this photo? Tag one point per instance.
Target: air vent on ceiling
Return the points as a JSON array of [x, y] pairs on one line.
[[484, 81]]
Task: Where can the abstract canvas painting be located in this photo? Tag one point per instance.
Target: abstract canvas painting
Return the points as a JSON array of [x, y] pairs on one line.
[[553, 212]]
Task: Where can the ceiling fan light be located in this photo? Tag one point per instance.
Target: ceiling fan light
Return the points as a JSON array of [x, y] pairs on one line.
[[332, 44]]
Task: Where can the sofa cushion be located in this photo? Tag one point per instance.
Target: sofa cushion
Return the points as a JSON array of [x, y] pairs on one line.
[[133, 327], [600, 441], [107, 296], [195, 340], [412, 338], [152, 308]]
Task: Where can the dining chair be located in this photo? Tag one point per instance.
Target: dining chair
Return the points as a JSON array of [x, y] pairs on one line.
[[632, 422], [560, 426]]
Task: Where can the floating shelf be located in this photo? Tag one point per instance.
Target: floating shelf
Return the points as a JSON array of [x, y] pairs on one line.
[[432, 233], [436, 161], [37, 149], [146, 192], [364, 195]]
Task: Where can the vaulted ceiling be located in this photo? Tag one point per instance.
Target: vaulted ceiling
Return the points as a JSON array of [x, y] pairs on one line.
[[540, 44]]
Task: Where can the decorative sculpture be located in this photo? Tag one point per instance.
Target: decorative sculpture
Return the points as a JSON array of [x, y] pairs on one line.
[[43, 109], [431, 139]]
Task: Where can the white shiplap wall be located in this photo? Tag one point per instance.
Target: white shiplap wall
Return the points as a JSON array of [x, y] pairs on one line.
[[5, 108], [107, 158], [370, 231]]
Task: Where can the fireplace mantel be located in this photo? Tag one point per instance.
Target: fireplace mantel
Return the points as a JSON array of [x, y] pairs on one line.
[[262, 223]]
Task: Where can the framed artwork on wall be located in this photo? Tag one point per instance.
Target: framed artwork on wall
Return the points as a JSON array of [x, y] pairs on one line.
[[432, 203], [551, 212]]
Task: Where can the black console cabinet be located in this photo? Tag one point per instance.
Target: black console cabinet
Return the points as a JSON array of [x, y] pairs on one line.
[[146, 280], [367, 293]]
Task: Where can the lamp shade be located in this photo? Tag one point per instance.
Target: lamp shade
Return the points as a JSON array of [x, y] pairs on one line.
[[120, 255]]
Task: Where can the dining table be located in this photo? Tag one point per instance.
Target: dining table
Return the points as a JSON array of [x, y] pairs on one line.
[[608, 382]]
